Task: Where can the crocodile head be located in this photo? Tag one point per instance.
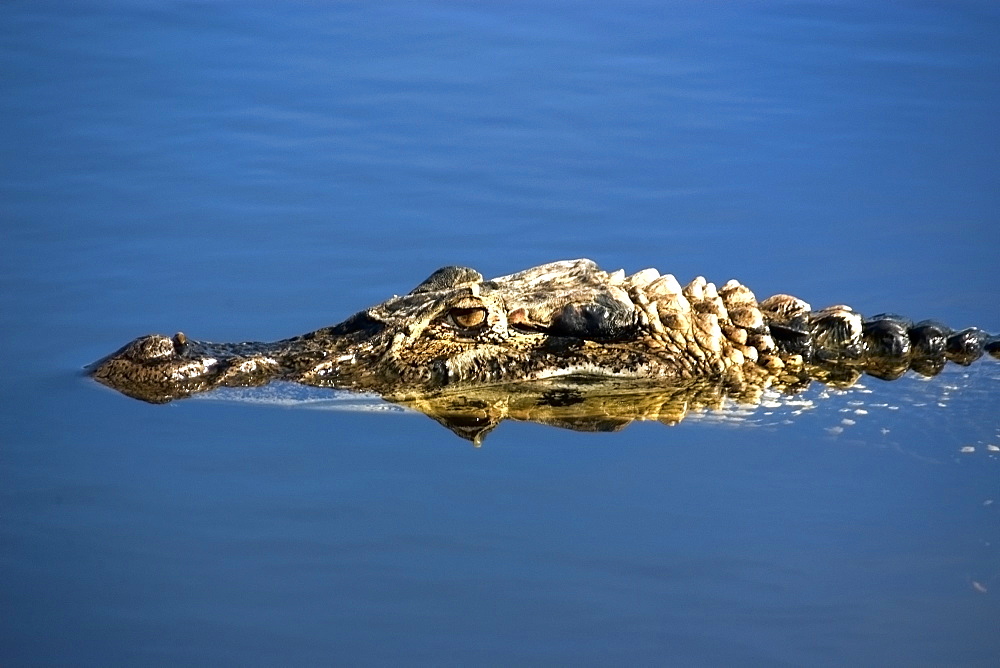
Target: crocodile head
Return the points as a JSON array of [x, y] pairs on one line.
[[454, 329]]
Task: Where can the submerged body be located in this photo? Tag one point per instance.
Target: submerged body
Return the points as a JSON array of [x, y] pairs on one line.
[[456, 330]]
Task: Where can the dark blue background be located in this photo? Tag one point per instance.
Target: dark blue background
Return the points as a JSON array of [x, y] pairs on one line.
[[248, 171]]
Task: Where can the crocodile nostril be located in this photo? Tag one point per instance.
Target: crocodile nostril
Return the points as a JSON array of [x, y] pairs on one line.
[[149, 348]]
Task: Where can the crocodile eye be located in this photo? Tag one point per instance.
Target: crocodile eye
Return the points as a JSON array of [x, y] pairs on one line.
[[467, 318]]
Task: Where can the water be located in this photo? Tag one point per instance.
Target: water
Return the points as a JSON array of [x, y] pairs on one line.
[[257, 172]]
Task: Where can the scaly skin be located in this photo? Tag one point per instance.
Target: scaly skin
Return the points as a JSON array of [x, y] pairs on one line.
[[456, 331]]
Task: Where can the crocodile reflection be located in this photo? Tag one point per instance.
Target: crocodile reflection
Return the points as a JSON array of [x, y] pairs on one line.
[[594, 404]]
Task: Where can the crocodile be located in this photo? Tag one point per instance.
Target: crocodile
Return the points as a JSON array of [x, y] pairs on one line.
[[457, 334]]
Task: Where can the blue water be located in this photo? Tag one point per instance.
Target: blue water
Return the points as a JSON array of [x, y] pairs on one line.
[[257, 171]]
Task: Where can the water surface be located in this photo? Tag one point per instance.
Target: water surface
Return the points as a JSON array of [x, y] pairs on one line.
[[257, 172]]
